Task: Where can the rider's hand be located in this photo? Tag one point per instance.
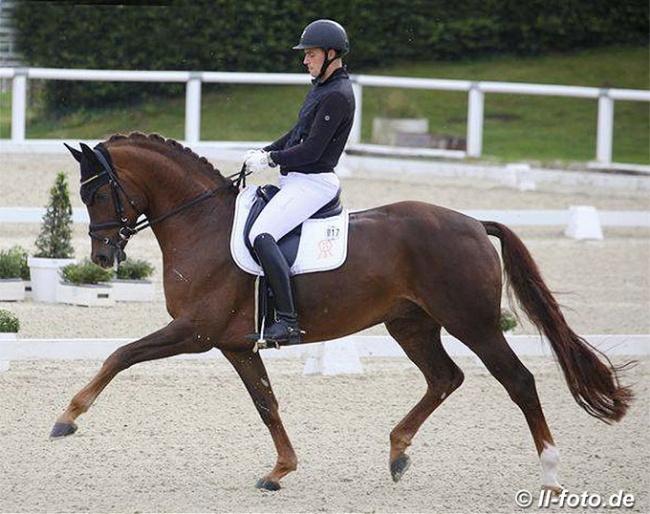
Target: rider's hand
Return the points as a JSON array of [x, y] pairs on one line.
[[249, 153], [256, 161]]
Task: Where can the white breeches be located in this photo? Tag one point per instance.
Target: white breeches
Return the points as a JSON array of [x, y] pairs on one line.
[[300, 196]]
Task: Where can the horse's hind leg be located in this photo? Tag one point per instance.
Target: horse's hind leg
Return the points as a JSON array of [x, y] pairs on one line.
[[175, 338], [492, 348], [419, 337]]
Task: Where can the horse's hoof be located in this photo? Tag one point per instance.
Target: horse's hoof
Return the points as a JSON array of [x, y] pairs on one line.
[[61, 430], [399, 466], [555, 489], [268, 485]]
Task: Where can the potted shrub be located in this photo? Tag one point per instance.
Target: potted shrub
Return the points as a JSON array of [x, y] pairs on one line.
[[508, 320], [54, 243], [87, 284], [13, 272], [131, 282], [9, 324]]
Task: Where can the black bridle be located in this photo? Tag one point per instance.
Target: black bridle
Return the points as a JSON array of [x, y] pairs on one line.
[[126, 230]]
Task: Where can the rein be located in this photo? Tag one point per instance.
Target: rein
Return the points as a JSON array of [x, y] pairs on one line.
[[125, 231]]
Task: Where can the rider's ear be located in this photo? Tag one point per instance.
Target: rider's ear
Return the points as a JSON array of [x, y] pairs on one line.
[[75, 153]]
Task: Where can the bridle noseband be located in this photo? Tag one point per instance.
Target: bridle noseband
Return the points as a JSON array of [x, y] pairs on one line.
[[126, 230]]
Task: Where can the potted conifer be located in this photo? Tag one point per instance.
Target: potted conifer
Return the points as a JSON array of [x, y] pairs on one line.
[[54, 243], [13, 273], [86, 284], [132, 283]]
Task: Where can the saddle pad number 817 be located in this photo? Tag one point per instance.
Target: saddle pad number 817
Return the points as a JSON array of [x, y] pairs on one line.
[[323, 244]]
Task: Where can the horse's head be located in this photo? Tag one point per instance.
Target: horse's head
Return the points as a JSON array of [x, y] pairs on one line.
[[112, 213]]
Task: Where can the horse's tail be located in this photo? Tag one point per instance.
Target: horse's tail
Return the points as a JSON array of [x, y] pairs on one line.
[[590, 375]]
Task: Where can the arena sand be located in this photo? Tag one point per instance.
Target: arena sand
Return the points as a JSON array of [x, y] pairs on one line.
[[183, 436]]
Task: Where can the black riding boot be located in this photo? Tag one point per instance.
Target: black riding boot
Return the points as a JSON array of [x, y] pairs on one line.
[[284, 329]]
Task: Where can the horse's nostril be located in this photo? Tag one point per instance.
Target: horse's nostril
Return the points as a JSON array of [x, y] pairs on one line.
[[100, 259]]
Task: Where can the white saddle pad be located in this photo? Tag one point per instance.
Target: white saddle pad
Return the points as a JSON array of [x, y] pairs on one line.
[[323, 243]]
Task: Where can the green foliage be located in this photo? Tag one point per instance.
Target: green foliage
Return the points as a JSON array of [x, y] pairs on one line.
[[236, 35], [13, 263], [9, 322], [134, 270], [508, 320], [55, 238], [85, 272]]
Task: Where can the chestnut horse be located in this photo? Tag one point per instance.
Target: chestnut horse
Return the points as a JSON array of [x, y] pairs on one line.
[[413, 266]]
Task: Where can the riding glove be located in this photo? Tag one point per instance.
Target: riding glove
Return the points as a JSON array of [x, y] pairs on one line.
[[257, 161]]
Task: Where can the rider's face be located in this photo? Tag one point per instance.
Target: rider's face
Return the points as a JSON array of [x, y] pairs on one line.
[[313, 59]]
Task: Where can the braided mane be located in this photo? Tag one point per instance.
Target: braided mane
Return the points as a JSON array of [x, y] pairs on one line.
[[171, 144]]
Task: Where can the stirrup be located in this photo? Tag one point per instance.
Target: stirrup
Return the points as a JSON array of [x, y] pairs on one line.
[[263, 343]]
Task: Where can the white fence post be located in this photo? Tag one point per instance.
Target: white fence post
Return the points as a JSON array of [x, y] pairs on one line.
[[605, 128], [355, 135], [193, 109], [475, 121], [18, 105]]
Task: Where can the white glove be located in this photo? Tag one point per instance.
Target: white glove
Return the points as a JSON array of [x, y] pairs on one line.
[[249, 153], [256, 161]]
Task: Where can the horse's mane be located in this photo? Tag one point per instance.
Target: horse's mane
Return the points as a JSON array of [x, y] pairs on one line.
[[171, 145]]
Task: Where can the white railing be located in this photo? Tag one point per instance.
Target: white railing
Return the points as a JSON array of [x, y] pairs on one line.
[[194, 79], [511, 217]]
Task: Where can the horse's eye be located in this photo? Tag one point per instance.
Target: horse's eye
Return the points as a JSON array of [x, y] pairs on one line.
[[101, 197]]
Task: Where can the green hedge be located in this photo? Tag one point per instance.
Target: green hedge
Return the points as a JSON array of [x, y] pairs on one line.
[[241, 35]]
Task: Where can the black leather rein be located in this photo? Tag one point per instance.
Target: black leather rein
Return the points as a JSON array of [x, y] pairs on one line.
[[126, 231]]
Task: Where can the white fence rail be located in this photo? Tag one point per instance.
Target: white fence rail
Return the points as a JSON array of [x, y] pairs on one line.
[[513, 217], [366, 346], [194, 79]]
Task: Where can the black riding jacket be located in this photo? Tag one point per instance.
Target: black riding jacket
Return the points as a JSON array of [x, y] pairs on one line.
[[315, 143]]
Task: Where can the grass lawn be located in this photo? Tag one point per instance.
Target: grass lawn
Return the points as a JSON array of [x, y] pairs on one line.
[[517, 127]]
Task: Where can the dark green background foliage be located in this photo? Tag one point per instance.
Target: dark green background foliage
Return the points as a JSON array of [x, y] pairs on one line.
[[236, 35]]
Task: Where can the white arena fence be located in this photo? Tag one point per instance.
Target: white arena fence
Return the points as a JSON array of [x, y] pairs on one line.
[[339, 356], [513, 217], [476, 91]]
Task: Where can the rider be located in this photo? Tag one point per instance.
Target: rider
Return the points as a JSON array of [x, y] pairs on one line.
[[306, 155]]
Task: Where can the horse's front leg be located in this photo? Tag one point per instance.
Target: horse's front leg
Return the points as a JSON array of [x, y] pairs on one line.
[[177, 337], [252, 371]]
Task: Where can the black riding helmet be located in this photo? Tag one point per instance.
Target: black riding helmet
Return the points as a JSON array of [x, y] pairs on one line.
[[325, 34]]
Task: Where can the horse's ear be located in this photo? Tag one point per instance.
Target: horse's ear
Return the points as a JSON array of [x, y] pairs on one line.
[[88, 152], [75, 153]]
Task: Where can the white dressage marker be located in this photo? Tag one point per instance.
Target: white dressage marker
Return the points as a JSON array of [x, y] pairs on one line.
[[584, 223]]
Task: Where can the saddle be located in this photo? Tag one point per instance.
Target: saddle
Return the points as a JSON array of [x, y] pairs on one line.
[[289, 243]]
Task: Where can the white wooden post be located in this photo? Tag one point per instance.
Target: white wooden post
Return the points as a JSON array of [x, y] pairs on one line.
[[605, 135], [355, 134], [18, 105], [475, 121], [193, 109]]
